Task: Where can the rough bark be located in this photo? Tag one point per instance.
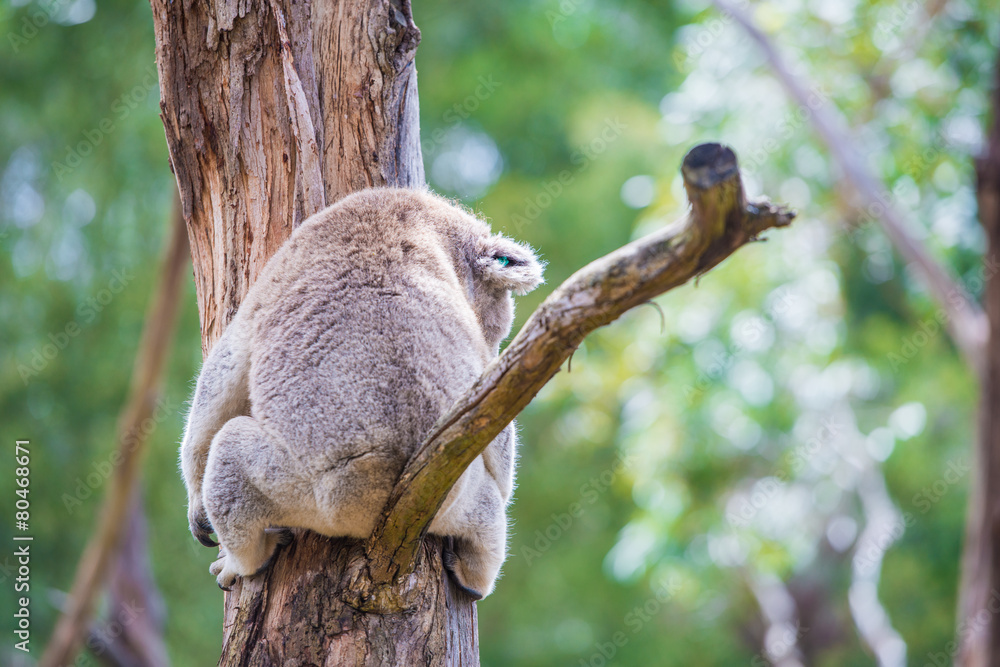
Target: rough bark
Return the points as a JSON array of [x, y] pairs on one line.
[[241, 143], [306, 611], [245, 163], [979, 598]]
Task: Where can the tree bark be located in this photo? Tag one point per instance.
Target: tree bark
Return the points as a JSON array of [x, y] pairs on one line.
[[262, 101], [244, 163], [979, 597]]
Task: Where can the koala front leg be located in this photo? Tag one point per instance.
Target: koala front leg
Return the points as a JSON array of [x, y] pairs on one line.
[[475, 519], [222, 393], [252, 494]]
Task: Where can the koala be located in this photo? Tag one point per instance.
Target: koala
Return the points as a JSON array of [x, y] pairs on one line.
[[361, 331]]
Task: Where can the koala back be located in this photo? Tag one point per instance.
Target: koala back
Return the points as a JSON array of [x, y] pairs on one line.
[[369, 322]]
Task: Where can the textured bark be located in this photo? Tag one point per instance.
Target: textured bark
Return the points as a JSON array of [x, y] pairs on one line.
[[307, 611], [260, 137], [241, 153], [979, 599]]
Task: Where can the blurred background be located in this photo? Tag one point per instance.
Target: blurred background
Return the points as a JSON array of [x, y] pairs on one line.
[[774, 468]]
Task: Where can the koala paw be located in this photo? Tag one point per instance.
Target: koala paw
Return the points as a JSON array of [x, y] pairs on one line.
[[223, 571], [227, 568], [200, 526], [457, 570]]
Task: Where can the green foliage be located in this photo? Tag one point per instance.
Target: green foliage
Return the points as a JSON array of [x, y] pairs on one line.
[[688, 458]]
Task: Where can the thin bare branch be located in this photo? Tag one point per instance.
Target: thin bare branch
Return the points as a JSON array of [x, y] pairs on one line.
[[151, 357], [964, 319], [720, 221]]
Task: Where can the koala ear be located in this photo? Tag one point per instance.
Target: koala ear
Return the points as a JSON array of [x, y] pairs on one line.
[[508, 264]]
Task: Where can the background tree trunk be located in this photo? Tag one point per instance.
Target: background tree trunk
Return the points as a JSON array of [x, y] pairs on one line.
[[131, 632], [272, 109], [979, 602]]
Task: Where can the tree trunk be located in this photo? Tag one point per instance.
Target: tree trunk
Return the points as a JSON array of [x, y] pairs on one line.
[[272, 109], [235, 147], [979, 602]]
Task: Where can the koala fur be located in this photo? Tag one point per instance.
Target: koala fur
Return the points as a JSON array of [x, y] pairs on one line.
[[365, 326]]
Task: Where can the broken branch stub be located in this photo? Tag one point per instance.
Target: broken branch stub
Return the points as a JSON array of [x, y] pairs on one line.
[[720, 221]]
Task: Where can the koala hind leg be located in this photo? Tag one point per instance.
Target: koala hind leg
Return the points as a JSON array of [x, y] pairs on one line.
[[251, 494], [476, 521]]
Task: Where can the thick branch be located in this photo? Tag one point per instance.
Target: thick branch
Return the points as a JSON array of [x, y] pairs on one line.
[[92, 571], [965, 320], [720, 221]]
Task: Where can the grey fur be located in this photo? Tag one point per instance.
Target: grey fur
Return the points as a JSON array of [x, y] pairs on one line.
[[365, 326]]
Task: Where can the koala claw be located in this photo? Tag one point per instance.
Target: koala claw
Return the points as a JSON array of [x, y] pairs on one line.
[[281, 537], [452, 564], [202, 529], [284, 536]]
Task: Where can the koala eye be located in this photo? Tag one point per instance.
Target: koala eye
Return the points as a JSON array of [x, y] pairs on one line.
[[506, 264]]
